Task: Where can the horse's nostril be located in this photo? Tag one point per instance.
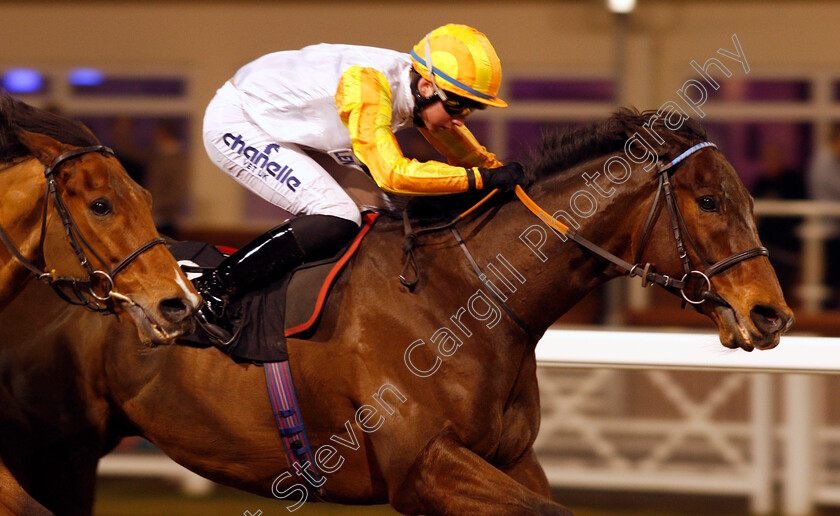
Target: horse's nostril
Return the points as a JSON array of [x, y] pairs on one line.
[[174, 309], [768, 319]]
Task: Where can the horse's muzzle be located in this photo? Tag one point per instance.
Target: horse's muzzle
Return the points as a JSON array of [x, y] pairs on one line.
[[176, 309], [760, 329]]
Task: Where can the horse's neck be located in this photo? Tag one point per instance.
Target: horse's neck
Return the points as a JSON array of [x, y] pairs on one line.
[[22, 186], [557, 273]]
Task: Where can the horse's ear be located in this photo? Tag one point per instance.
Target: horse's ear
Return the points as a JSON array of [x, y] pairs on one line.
[[41, 146]]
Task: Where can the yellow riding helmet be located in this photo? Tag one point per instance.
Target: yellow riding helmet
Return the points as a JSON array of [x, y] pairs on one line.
[[463, 62]]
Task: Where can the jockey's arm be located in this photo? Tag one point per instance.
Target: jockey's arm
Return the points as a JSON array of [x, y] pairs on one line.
[[461, 148], [364, 104]]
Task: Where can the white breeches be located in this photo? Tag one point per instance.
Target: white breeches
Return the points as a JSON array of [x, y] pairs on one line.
[[281, 173]]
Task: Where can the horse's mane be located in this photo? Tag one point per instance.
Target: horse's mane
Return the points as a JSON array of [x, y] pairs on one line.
[[562, 150], [16, 115]]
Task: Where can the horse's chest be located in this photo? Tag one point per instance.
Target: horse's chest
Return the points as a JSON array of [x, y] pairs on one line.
[[507, 434], [519, 428]]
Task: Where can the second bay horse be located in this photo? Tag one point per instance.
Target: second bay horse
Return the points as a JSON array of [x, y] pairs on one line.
[[71, 216], [60, 188]]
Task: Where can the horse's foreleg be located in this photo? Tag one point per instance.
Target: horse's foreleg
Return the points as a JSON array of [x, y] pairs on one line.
[[449, 479], [528, 472], [63, 477], [14, 500]]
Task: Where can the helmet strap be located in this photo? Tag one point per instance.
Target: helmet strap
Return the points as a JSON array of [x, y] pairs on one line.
[[431, 69], [420, 101]]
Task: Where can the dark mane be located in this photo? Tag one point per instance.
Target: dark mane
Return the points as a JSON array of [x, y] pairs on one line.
[[16, 115], [562, 150]]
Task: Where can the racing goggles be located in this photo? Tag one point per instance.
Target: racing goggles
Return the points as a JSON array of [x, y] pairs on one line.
[[455, 105]]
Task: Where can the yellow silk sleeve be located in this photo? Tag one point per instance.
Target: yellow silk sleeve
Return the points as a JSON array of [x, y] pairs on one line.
[[461, 148], [364, 104]]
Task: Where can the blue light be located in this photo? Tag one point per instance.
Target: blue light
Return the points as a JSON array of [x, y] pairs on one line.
[[85, 77], [22, 80]]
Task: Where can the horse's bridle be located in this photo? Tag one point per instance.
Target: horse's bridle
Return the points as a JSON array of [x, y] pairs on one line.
[[78, 286], [646, 272], [679, 228]]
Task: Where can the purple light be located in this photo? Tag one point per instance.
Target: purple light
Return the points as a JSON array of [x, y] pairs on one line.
[[85, 77], [22, 80]]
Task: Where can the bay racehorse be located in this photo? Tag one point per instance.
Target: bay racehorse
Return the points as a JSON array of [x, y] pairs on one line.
[[425, 398], [70, 216]]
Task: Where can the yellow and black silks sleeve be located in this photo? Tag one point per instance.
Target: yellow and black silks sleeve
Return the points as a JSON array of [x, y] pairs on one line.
[[364, 104]]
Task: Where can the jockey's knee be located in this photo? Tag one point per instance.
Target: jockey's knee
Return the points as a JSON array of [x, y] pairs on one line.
[[321, 236]]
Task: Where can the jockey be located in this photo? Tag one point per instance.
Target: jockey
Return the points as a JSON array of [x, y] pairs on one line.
[[347, 102]]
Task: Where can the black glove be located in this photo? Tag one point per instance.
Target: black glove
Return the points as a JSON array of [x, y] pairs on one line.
[[504, 178]]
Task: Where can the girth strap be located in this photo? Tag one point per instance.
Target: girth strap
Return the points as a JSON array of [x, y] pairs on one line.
[[284, 404]]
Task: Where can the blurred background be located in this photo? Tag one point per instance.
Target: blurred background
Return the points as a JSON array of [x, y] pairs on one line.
[[140, 73]]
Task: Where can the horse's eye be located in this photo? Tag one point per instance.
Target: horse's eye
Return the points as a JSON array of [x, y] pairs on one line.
[[708, 203], [101, 206]]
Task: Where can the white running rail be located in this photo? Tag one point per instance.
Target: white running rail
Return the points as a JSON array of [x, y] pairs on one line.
[[589, 439]]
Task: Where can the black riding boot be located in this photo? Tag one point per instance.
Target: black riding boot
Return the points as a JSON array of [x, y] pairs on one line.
[[268, 257]]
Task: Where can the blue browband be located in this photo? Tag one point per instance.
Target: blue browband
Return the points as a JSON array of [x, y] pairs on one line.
[[687, 153]]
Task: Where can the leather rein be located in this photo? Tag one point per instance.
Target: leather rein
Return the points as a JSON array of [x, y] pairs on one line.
[[647, 271], [79, 287]]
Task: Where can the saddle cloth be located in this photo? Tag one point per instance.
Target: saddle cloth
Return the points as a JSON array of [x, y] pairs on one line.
[[289, 306]]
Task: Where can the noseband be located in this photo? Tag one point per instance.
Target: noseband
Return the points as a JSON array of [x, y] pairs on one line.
[[78, 286]]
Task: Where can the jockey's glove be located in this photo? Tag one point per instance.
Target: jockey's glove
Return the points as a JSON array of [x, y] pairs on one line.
[[505, 178]]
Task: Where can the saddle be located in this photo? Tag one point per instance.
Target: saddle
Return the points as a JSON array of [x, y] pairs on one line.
[[289, 306]]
